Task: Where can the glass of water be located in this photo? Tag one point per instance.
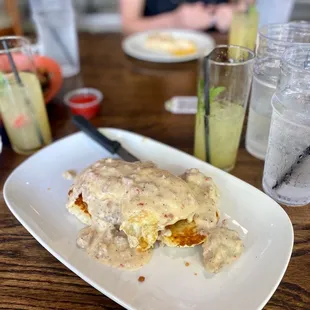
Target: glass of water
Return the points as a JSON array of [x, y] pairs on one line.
[[272, 41], [57, 34], [287, 166]]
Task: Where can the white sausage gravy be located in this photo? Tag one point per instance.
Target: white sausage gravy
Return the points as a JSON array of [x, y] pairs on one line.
[[130, 204]]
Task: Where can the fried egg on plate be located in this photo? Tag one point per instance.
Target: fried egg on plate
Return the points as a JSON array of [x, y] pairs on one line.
[[167, 43]]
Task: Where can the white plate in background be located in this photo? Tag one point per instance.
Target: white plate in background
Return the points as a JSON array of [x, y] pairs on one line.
[[134, 45], [36, 194]]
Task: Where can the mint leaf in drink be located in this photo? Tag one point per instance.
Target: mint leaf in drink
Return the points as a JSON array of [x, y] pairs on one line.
[[215, 91]]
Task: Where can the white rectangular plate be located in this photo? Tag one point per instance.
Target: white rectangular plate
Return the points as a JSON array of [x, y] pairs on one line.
[[36, 194]]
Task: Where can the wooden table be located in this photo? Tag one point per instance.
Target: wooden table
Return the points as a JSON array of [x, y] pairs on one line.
[[30, 277]]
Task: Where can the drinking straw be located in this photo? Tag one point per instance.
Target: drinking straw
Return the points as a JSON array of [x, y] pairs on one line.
[[206, 79], [307, 61], [21, 84], [287, 175]]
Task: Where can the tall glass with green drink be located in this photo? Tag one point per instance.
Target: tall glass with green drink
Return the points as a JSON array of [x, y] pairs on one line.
[[223, 90]]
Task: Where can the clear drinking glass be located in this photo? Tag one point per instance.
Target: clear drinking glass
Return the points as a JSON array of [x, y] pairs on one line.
[[272, 41], [22, 106], [287, 166], [57, 34], [228, 73]]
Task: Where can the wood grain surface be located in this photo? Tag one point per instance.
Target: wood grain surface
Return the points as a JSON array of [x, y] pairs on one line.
[[135, 91]]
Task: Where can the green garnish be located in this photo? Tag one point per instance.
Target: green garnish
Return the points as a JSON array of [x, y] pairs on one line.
[[200, 146], [215, 91]]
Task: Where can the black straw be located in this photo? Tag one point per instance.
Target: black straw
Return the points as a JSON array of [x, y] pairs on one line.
[[206, 80], [12, 63], [20, 83], [287, 175]]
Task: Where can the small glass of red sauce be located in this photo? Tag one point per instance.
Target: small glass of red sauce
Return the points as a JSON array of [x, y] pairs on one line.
[[84, 101]]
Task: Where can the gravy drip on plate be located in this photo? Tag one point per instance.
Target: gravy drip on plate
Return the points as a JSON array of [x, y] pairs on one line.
[[222, 247], [110, 246], [207, 196], [69, 174]]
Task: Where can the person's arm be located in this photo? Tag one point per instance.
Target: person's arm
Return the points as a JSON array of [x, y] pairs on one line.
[[133, 20], [224, 13], [194, 16]]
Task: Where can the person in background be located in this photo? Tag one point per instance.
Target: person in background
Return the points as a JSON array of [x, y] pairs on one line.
[[141, 15]]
